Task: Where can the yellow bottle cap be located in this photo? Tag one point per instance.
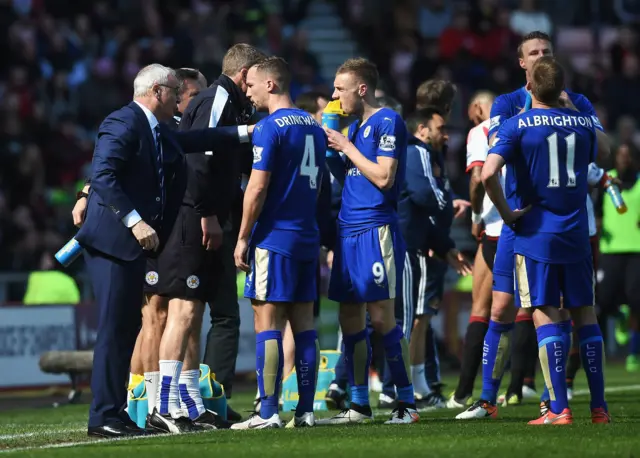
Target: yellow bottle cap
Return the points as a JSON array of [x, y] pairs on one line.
[[334, 107]]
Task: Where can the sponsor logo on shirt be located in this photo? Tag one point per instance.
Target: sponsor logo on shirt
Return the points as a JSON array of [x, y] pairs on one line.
[[495, 122], [387, 143], [257, 153]]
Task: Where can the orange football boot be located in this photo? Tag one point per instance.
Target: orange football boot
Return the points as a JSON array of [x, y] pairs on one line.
[[599, 415], [563, 418]]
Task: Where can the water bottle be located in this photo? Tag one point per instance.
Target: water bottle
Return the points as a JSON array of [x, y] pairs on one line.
[[69, 253], [615, 195], [331, 119]]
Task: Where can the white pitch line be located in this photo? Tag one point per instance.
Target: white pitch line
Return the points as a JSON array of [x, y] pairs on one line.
[[613, 389], [74, 444], [55, 432]]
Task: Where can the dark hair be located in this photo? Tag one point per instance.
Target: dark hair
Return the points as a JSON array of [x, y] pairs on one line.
[[278, 68], [308, 101], [390, 102], [187, 74], [422, 116], [547, 80], [535, 35], [364, 69], [436, 93]]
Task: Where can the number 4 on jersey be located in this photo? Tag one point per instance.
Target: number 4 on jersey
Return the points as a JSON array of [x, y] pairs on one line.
[[308, 166]]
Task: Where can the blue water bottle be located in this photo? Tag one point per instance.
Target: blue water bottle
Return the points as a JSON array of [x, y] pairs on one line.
[[69, 253]]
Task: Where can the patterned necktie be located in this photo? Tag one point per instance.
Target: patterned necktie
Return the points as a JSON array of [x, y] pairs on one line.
[[156, 131]]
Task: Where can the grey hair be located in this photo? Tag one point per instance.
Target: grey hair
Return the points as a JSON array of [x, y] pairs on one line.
[[150, 75]]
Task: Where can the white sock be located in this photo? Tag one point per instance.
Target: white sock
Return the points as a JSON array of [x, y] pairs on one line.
[[190, 397], [419, 379], [151, 381], [169, 390]]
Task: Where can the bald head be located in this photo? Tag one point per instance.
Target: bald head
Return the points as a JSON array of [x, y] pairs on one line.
[[480, 106]]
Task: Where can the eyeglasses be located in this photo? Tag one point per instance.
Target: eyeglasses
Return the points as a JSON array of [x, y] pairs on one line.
[[176, 89]]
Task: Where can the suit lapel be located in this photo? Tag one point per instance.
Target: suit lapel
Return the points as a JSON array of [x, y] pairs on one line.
[[143, 125]]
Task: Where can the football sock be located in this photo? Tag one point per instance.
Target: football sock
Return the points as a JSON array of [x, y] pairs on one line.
[[432, 361], [574, 359], [342, 376], [357, 358], [151, 381], [592, 355], [397, 353], [494, 357], [471, 356], [388, 387], [169, 392], [269, 366], [307, 361], [190, 397], [523, 353], [553, 362], [419, 379]]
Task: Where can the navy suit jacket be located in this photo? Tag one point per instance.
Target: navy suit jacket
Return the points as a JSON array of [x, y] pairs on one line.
[[125, 178]]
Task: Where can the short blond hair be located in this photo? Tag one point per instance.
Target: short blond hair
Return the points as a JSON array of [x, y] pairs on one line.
[[278, 69], [436, 93], [364, 69], [240, 56]]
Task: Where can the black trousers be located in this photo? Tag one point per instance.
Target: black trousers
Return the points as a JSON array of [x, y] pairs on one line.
[[618, 283], [222, 341]]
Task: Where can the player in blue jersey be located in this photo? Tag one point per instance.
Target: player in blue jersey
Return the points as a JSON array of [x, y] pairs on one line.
[[369, 255], [503, 314], [548, 149], [279, 242]]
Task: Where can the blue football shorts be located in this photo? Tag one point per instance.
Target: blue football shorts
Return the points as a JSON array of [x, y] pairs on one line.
[[542, 283], [503, 280], [368, 266], [277, 278]]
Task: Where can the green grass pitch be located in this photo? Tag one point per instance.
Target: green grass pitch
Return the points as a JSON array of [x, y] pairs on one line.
[[62, 432]]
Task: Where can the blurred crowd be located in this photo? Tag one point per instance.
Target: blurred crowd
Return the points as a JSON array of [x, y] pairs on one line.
[[67, 63]]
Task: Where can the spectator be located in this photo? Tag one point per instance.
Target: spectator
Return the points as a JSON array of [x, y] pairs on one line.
[[529, 18], [434, 16], [458, 37]]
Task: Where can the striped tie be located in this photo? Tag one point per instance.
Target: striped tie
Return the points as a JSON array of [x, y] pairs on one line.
[[159, 163]]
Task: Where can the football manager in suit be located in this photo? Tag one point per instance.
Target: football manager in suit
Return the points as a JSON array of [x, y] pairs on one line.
[[137, 184]]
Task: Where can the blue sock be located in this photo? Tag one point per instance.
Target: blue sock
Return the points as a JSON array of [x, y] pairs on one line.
[[342, 376], [592, 355], [432, 361], [634, 344], [307, 359], [397, 354], [357, 358], [388, 387], [567, 332], [495, 354], [269, 365], [553, 360]]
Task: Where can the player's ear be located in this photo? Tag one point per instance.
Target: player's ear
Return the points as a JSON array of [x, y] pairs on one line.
[[522, 64], [362, 90]]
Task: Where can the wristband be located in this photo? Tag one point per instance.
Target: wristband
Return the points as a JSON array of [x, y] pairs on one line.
[[81, 194], [476, 218]]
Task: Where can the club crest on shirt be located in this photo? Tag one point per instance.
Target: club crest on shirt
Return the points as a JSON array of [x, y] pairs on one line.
[[151, 278], [387, 142], [245, 114], [193, 282], [367, 131], [257, 153]]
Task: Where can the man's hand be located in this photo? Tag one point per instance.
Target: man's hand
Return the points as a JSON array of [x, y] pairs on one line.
[[459, 262], [336, 140], [145, 235], [566, 102], [330, 259], [514, 215], [211, 233], [460, 206], [240, 255], [78, 212], [476, 230], [250, 129]]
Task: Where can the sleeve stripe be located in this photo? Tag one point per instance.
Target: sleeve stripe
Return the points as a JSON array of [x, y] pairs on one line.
[[217, 107], [426, 167], [474, 164]]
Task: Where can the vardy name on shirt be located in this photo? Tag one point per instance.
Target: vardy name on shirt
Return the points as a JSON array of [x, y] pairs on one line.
[[558, 121]]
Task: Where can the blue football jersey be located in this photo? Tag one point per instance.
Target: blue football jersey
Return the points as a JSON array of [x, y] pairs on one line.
[[364, 205], [291, 145], [549, 152]]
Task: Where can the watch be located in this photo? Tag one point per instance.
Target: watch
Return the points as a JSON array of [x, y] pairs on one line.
[[80, 194]]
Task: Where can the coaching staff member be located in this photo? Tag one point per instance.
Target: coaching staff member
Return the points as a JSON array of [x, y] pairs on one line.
[[136, 160], [204, 269]]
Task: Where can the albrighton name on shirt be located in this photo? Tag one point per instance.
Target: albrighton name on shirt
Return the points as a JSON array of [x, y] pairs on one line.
[[558, 121]]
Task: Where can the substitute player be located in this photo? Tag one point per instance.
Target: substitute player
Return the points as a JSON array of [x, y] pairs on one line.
[[503, 314], [486, 228], [279, 242], [369, 256], [549, 149]]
